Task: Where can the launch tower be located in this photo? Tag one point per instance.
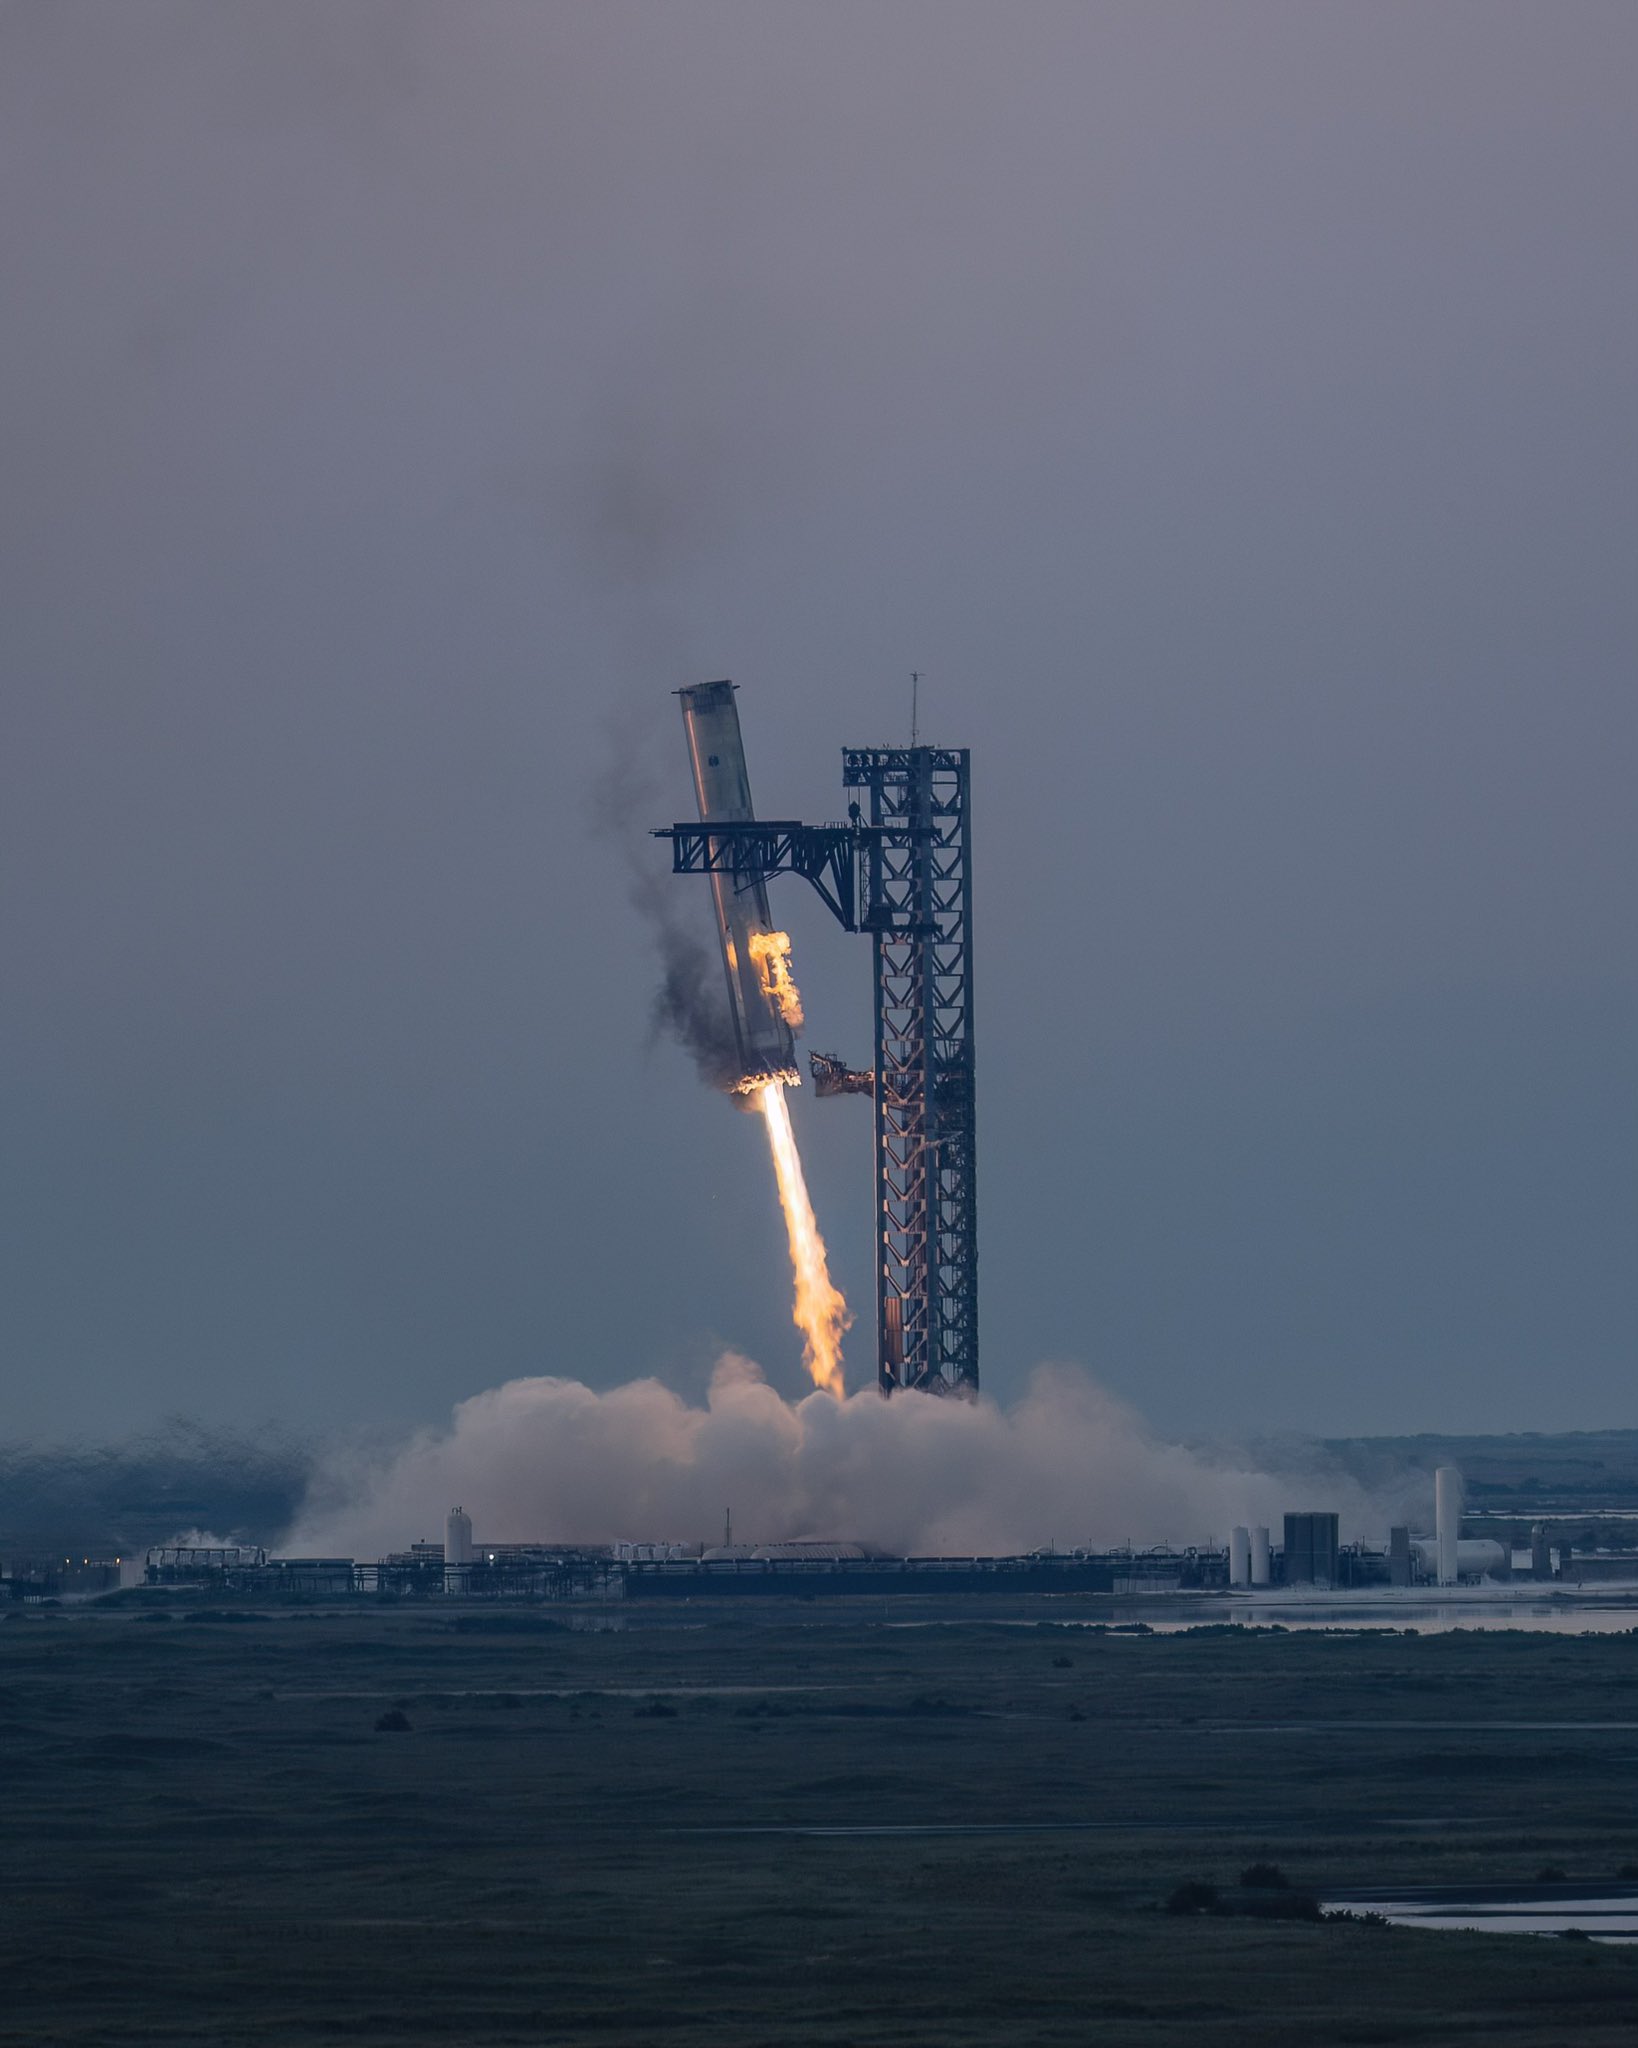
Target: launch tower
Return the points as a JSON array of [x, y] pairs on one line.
[[898, 870], [918, 909]]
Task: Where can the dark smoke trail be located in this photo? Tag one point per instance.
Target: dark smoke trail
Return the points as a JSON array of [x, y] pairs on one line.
[[689, 1006], [627, 799]]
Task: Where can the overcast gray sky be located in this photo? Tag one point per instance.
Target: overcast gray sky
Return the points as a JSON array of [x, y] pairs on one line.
[[1230, 408]]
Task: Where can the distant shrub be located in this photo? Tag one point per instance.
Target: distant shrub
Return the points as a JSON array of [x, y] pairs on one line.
[[1286, 1905], [655, 1710], [1265, 1877], [1193, 1897], [1574, 1934], [392, 1723], [1550, 1873], [1063, 1663], [1628, 1872]]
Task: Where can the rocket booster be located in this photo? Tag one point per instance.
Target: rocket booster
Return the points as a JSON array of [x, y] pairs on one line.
[[756, 970]]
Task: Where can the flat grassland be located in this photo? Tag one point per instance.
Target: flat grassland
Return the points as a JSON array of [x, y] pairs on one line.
[[809, 1823]]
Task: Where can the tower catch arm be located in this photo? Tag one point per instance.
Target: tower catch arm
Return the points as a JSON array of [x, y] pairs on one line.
[[828, 856]]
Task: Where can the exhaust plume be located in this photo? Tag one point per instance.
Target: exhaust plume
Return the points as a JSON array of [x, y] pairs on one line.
[[817, 1307], [552, 1460]]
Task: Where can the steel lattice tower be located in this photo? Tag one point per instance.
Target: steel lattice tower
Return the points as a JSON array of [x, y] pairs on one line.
[[917, 905]]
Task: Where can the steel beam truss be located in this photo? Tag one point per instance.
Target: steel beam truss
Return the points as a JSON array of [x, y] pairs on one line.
[[824, 855], [904, 878]]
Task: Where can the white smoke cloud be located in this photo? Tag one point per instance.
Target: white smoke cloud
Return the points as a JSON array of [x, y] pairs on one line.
[[553, 1460]]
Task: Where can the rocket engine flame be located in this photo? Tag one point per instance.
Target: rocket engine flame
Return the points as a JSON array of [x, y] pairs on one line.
[[753, 1084], [818, 1310], [772, 953]]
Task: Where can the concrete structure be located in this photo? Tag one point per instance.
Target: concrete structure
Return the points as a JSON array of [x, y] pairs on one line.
[[1447, 1522], [1261, 1566], [1399, 1555], [1239, 1557]]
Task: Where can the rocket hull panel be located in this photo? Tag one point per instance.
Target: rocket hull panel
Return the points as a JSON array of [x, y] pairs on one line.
[[722, 790]]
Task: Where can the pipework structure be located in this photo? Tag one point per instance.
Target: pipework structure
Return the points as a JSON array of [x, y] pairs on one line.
[[899, 870]]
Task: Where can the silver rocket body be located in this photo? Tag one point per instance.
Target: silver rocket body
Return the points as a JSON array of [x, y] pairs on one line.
[[722, 789]]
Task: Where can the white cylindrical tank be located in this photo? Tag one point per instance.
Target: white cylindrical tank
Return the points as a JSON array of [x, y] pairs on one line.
[[457, 1550], [1259, 1555], [1447, 1522], [1477, 1557], [1239, 1557]]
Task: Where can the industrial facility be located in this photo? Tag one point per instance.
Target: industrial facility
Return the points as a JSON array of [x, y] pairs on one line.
[[1308, 1557]]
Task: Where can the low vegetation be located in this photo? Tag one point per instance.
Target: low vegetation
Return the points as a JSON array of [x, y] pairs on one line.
[[708, 1828]]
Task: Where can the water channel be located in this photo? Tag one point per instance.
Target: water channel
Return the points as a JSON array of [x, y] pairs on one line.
[[1565, 1910]]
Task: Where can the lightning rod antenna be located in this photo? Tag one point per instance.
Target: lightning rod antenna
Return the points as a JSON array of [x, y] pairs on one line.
[[915, 693]]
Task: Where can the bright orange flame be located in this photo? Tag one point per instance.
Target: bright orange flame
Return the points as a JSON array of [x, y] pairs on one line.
[[753, 1084], [818, 1311], [772, 953]]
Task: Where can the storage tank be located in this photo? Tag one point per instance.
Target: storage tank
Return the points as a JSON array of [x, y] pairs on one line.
[[1311, 1548], [1477, 1557], [1239, 1557], [1260, 1572], [457, 1550]]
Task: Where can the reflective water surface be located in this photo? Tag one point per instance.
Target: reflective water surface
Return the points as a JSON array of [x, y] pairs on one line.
[[1611, 1612], [1601, 1916], [1603, 1613]]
